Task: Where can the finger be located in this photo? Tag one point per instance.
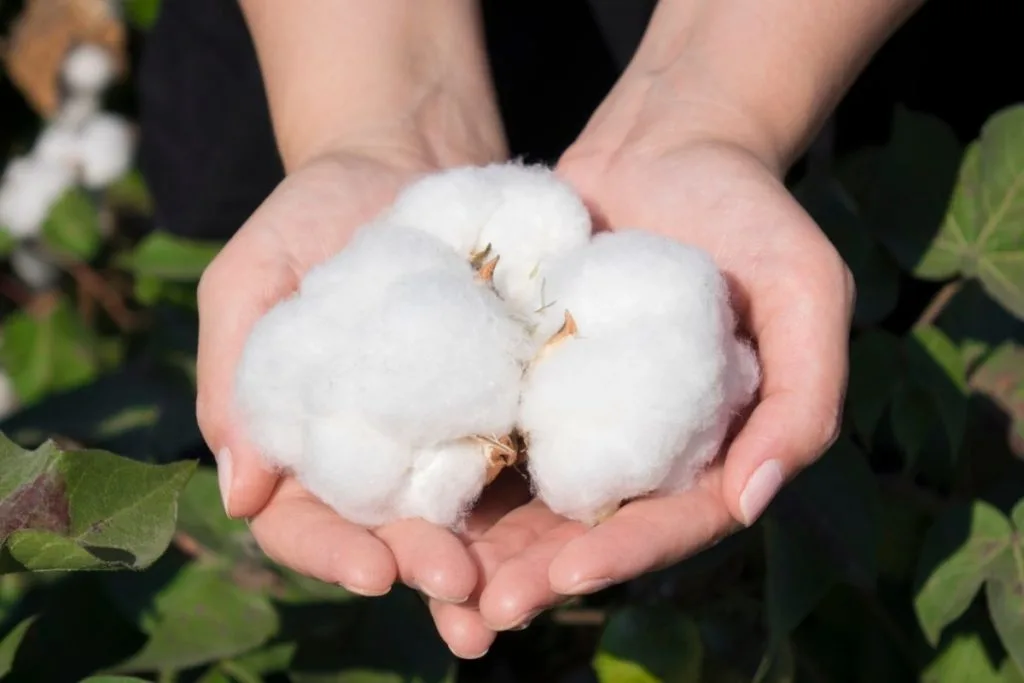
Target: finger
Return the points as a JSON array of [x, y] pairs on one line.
[[803, 348], [644, 535], [462, 629], [302, 533], [430, 559], [461, 626], [237, 288], [520, 589]]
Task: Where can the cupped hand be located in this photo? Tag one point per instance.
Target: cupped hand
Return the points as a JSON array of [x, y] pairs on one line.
[[307, 219], [794, 296]]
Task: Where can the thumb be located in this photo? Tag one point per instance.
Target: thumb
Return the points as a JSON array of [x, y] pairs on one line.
[[235, 291]]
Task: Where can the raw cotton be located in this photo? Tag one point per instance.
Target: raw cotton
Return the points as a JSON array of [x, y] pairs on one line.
[[637, 396], [478, 315]]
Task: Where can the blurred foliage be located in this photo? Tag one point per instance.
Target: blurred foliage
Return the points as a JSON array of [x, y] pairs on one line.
[[899, 556]]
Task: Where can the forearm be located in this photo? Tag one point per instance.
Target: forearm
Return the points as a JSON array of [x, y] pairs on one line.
[[762, 73], [344, 73]]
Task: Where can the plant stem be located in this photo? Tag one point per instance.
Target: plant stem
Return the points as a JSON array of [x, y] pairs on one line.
[[938, 303]]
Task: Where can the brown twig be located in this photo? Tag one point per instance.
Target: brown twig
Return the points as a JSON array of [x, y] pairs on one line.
[[938, 303], [93, 284]]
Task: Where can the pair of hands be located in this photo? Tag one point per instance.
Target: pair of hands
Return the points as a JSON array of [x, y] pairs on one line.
[[517, 558]]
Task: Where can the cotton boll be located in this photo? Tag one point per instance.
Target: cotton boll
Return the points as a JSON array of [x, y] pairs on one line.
[[623, 276], [58, 144], [77, 109], [444, 482], [106, 148], [539, 217], [34, 270], [437, 360], [354, 469], [28, 190], [607, 417], [285, 347], [452, 205], [379, 254], [88, 68]]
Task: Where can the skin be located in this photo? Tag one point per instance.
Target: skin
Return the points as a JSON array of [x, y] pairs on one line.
[[692, 142]]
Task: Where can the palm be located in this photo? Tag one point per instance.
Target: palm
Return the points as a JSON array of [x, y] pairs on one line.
[[794, 298]]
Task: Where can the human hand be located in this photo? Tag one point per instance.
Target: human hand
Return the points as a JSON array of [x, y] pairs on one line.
[[308, 218], [794, 296]]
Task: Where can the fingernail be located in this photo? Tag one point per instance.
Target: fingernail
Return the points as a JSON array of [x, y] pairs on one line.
[[366, 592], [524, 623], [442, 598], [224, 478], [462, 656], [761, 488], [589, 586]]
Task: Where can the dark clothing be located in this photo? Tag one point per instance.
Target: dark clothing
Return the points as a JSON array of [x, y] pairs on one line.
[[207, 146]]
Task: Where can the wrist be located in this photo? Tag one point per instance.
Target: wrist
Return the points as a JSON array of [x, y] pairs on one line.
[[438, 130], [651, 113], [376, 74]]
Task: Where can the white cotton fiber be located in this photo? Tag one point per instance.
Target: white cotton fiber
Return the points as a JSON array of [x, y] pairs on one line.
[[288, 345], [631, 275], [88, 68], [354, 468], [452, 205], [523, 214], [106, 147], [379, 254], [444, 482], [77, 109], [438, 359], [540, 217], [28, 189], [646, 388], [58, 144], [33, 269], [398, 336]]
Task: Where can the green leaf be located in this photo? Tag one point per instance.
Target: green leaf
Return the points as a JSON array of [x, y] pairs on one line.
[[875, 272], [201, 516], [114, 679], [1001, 378], [649, 645], [913, 418], [1005, 593], [10, 644], [935, 363], [142, 14], [201, 616], [166, 257], [824, 527], [48, 349], [1010, 672], [964, 659], [130, 192], [7, 243], [956, 559], [141, 410], [390, 639], [904, 187], [876, 364], [72, 229], [983, 234], [84, 509]]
